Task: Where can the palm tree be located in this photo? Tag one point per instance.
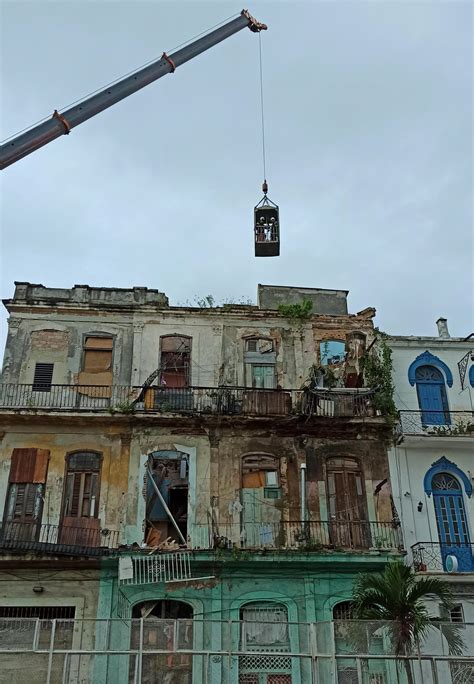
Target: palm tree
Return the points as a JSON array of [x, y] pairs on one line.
[[397, 597]]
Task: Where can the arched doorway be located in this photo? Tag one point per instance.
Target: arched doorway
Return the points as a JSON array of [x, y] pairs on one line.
[[168, 627], [451, 521], [264, 628], [432, 398]]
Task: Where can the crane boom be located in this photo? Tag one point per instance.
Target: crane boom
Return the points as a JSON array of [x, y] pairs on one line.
[[61, 124]]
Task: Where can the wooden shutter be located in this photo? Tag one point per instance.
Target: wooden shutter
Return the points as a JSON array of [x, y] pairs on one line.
[[29, 465]]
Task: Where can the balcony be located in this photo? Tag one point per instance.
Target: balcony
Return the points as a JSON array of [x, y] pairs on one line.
[[313, 535], [244, 401], [56, 540], [436, 423], [436, 557]]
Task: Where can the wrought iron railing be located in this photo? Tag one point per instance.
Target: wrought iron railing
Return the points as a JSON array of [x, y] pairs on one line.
[[436, 423], [436, 557], [188, 400], [56, 539], [313, 535]]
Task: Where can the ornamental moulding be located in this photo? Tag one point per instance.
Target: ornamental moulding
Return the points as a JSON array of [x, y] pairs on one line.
[[440, 466], [429, 359]]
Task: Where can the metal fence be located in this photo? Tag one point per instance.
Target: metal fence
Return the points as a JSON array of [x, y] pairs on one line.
[[57, 539], [436, 423], [432, 556], [153, 650], [311, 535], [202, 400]]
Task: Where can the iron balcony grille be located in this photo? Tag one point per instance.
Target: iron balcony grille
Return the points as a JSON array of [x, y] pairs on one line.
[[56, 539], [238, 401], [437, 557], [436, 423], [308, 536]]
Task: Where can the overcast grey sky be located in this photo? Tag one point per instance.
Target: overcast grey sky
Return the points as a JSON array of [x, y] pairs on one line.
[[368, 109]]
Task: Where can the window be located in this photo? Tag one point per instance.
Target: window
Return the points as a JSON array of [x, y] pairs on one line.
[[259, 359], [259, 470], [432, 398], [39, 612], [43, 377], [343, 611], [331, 352], [456, 614], [265, 625], [347, 503], [82, 485], [97, 355], [26, 485], [175, 361]]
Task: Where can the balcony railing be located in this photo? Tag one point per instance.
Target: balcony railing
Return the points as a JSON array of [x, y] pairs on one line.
[[312, 535], [436, 557], [56, 539], [436, 423], [188, 400]]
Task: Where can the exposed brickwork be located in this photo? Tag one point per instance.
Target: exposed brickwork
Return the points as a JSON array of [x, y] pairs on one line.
[[53, 340]]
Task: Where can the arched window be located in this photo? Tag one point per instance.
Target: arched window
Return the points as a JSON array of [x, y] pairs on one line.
[[264, 626], [451, 520], [432, 398], [167, 626], [175, 361], [343, 611]]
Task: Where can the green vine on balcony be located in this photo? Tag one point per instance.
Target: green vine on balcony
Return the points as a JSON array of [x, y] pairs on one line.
[[377, 365]]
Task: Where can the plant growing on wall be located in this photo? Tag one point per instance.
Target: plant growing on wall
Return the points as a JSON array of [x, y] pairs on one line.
[[297, 312], [377, 368]]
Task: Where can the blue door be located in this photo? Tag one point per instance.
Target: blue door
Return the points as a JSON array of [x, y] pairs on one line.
[[451, 521], [432, 398]]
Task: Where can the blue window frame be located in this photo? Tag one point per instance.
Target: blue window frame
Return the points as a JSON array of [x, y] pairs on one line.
[[432, 398], [451, 520]]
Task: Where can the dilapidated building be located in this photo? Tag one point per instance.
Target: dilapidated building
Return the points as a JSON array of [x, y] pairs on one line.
[[225, 467]]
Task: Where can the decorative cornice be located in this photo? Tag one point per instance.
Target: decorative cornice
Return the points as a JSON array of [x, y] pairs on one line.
[[440, 466], [429, 359]]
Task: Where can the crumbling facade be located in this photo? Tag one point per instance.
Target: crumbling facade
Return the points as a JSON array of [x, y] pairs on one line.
[[207, 465]]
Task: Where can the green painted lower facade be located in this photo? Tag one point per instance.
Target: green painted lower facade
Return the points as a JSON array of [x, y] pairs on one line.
[[307, 585]]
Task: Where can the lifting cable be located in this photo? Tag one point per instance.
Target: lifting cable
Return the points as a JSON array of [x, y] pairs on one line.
[[265, 186]]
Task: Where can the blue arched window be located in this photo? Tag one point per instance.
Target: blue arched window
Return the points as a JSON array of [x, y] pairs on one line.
[[432, 398], [449, 484]]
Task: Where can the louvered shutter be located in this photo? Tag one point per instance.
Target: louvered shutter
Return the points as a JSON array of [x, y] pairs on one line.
[[29, 465]]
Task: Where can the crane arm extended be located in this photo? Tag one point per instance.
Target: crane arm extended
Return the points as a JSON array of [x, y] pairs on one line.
[[61, 124]]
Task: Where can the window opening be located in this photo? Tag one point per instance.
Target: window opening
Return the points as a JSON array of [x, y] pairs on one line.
[[456, 614], [264, 627], [343, 611], [331, 352], [347, 503], [43, 377], [167, 626], [97, 354], [451, 521], [259, 359], [432, 397], [40, 612], [80, 523], [25, 494], [170, 471], [260, 499], [175, 362]]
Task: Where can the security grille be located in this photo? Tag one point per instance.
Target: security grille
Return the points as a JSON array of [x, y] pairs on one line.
[[269, 662], [40, 612], [43, 377], [456, 613]]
